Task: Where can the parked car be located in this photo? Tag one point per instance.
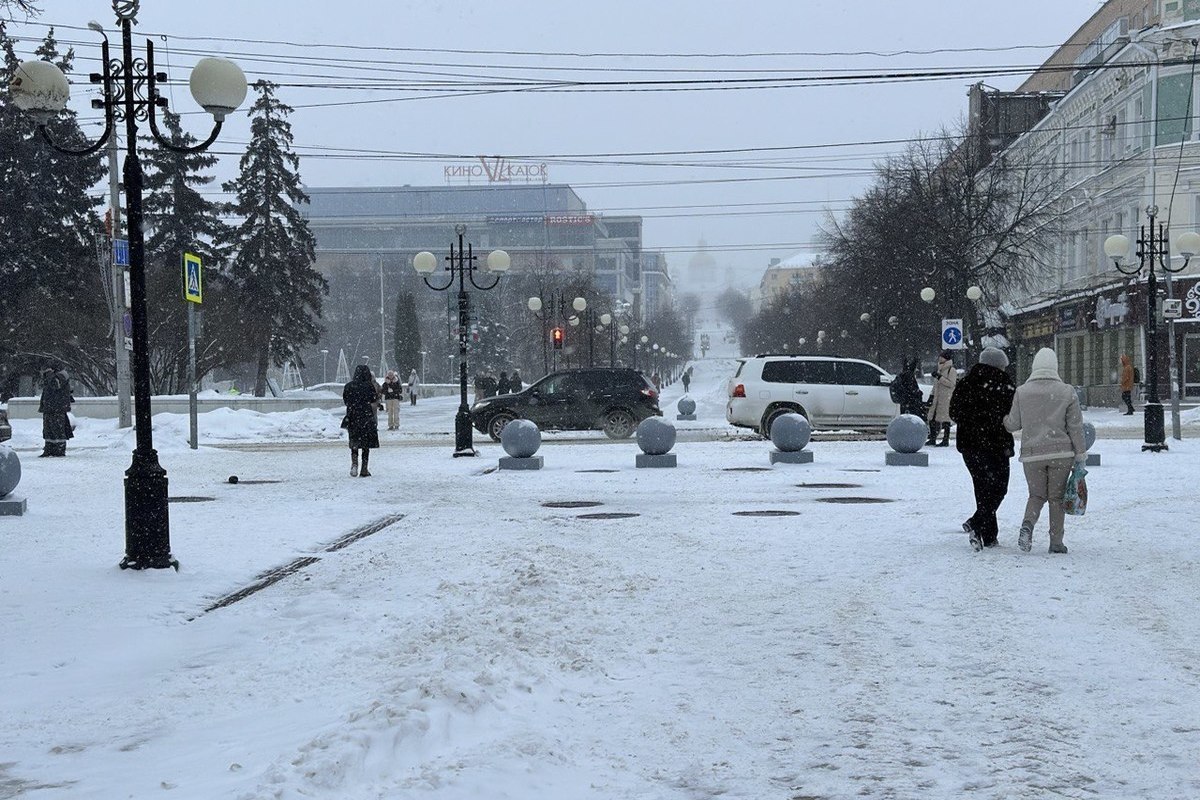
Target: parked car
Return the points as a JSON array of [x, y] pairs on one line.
[[830, 391], [5, 428], [612, 400]]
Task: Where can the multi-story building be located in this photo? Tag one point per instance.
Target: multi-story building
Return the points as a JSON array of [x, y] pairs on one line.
[[782, 276], [1120, 136]]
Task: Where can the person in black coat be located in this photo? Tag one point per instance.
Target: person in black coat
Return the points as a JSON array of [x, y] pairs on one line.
[[56, 402], [514, 382], [979, 404], [906, 392], [361, 396], [502, 386]]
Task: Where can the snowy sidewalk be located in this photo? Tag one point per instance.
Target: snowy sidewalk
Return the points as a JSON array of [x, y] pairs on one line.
[[488, 646]]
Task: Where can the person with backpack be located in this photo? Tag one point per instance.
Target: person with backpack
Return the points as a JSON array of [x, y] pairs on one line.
[[979, 405], [905, 390]]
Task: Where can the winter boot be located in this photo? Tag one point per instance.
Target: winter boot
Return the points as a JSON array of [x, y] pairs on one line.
[[1025, 537], [945, 442], [365, 473], [353, 463], [1058, 548], [973, 537], [933, 432]]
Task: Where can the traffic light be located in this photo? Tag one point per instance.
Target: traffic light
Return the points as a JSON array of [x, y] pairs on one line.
[[556, 335]]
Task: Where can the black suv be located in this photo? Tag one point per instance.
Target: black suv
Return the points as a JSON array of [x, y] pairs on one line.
[[612, 400]]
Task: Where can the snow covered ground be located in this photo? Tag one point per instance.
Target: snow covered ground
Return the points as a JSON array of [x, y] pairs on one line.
[[484, 645]]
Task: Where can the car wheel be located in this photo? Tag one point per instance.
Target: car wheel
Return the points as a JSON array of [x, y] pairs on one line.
[[774, 414], [496, 424], [619, 424]]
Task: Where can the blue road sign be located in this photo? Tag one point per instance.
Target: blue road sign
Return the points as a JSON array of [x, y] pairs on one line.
[[121, 252], [192, 287], [952, 334]]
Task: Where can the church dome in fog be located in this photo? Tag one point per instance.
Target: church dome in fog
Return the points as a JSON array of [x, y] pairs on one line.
[[702, 267]]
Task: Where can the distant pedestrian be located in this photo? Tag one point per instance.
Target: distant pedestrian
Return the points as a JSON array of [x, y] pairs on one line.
[[1046, 411], [54, 407], [414, 386], [980, 402], [939, 401], [393, 392], [906, 392], [1126, 381], [514, 382], [656, 379], [502, 386], [487, 385], [361, 396], [687, 379]]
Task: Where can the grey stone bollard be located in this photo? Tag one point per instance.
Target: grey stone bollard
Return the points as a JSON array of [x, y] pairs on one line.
[[790, 434], [687, 408], [521, 439], [10, 477], [1089, 439], [906, 435], [656, 437]]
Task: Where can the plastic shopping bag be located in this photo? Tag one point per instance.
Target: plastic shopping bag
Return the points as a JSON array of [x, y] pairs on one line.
[[1076, 496]]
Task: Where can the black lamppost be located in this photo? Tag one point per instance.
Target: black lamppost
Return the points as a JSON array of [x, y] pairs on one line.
[[556, 307], [1152, 250], [131, 93], [461, 264]]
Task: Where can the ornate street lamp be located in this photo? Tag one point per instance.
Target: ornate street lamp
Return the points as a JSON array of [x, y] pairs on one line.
[[461, 265], [1151, 251], [130, 93]]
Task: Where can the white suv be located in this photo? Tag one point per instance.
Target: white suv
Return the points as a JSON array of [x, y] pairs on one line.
[[831, 392]]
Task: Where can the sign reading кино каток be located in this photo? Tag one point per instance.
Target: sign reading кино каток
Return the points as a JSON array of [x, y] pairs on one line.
[[496, 169]]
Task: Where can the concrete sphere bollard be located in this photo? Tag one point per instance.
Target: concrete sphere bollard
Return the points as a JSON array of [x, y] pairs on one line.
[[686, 405], [655, 436], [790, 433], [907, 433], [520, 438], [1089, 435], [10, 470]]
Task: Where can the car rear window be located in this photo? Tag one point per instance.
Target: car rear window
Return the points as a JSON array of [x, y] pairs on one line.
[[799, 372]]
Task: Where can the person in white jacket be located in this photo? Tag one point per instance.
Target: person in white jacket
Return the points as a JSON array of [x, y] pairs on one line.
[[1046, 411]]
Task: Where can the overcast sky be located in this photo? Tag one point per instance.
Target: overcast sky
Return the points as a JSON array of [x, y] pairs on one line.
[[746, 221]]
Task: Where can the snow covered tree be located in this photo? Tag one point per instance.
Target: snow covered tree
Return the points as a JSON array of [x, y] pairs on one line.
[[276, 287], [179, 219], [52, 288]]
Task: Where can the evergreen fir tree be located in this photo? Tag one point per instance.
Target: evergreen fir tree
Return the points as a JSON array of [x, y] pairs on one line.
[[406, 339], [278, 290], [179, 219], [52, 288]]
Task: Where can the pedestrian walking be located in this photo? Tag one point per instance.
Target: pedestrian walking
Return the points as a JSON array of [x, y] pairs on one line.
[[978, 407], [361, 396], [514, 382], [502, 385], [1046, 411], [687, 379], [905, 390], [939, 401], [1126, 381], [656, 379], [414, 386], [393, 392], [54, 407], [487, 385]]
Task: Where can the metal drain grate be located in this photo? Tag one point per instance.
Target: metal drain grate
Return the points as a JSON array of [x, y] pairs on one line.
[[767, 513], [597, 470], [829, 485], [745, 469], [190, 499], [571, 504], [852, 500], [609, 515]]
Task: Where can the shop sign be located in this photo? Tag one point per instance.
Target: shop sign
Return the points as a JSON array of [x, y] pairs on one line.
[[1072, 318], [1039, 326], [516, 219], [570, 219], [496, 169]]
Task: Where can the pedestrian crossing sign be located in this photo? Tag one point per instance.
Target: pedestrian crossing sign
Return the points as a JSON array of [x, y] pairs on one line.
[[192, 280]]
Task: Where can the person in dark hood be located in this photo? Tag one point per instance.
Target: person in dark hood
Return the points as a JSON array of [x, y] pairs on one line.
[[514, 382], [361, 396], [978, 406], [502, 386], [56, 402], [906, 392]]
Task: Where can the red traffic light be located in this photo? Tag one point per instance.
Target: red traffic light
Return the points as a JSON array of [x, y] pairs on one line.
[[556, 336]]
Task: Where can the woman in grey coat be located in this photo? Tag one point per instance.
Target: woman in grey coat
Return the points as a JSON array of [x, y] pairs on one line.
[[1046, 411]]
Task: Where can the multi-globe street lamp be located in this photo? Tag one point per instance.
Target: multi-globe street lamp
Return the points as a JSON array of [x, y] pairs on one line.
[[461, 266], [555, 307], [130, 92], [1152, 251]]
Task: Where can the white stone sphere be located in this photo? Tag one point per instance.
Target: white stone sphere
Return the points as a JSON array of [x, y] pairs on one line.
[[791, 433], [520, 438]]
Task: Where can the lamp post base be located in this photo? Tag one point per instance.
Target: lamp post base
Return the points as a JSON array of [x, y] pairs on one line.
[[147, 515], [463, 444], [1156, 435]]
